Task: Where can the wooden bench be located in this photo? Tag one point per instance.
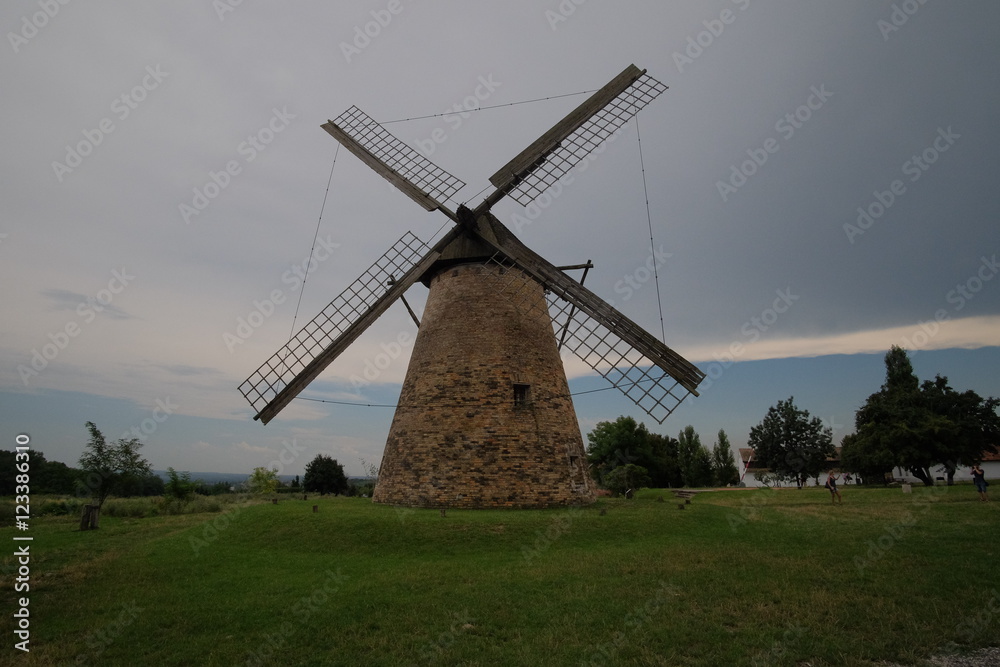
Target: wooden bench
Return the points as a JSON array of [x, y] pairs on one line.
[[683, 494]]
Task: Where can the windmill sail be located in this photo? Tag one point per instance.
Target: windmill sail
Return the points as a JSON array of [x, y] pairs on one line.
[[651, 374], [552, 155], [413, 174], [280, 379]]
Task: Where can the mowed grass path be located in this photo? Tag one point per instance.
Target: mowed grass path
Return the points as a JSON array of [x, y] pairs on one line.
[[754, 577]]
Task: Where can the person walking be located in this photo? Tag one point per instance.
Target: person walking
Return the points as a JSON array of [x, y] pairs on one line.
[[831, 483], [979, 479]]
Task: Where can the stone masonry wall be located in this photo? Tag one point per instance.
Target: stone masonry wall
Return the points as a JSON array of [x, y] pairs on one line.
[[457, 438]]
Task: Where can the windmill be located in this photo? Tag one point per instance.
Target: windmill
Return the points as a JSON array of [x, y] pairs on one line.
[[485, 418]]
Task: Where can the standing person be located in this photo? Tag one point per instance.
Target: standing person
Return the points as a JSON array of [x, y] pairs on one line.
[[831, 483], [979, 479]]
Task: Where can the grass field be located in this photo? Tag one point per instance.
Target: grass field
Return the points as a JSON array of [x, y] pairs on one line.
[[750, 577]]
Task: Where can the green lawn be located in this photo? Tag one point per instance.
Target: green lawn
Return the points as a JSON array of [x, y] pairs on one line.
[[755, 577]]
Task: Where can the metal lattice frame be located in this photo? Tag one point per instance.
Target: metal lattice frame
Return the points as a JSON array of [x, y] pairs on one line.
[[647, 385], [400, 157], [274, 374], [587, 137]]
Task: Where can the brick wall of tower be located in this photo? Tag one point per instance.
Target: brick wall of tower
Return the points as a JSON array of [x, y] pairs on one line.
[[457, 438]]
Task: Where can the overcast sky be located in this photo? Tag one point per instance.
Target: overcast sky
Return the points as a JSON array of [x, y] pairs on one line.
[[821, 185]]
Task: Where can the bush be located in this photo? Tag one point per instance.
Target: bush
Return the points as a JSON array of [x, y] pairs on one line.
[[624, 480]]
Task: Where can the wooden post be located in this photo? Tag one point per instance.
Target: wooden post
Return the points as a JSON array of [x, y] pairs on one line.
[[315, 508], [91, 517], [274, 501]]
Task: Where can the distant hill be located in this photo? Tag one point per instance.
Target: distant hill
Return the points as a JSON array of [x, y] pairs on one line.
[[230, 477]]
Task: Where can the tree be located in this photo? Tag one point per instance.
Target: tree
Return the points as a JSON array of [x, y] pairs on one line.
[[262, 481], [617, 443], [790, 443], [689, 442], [665, 472], [108, 467], [701, 472], [912, 426], [624, 441], [626, 479], [723, 461], [968, 424], [46, 476], [325, 475], [179, 486]]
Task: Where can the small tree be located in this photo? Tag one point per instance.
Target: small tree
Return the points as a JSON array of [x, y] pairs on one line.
[[790, 443], [690, 458], [625, 480], [325, 475], [262, 481], [107, 466], [179, 486], [723, 461]]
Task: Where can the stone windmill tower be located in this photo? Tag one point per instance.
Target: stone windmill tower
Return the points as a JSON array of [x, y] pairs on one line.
[[485, 418]]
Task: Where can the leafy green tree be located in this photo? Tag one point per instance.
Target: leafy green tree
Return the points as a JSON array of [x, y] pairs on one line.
[[624, 480], [262, 481], [614, 444], [916, 427], [968, 424], [790, 443], [688, 458], [723, 461], [179, 486], [46, 476], [325, 475], [665, 471], [107, 467], [702, 473], [624, 441]]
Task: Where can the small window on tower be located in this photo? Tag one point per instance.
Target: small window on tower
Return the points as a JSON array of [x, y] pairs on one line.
[[522, 394]]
